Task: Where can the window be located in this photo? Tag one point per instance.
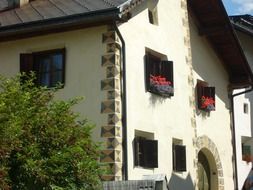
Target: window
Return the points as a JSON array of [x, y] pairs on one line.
[[145, 152], [245, 108], [153, 16], [246, 152], [159, 75], [179, 158], [49, 66], [206, 96]]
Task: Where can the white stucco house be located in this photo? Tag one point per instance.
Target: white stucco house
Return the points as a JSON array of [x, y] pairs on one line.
[[243, 102], [157, 76]]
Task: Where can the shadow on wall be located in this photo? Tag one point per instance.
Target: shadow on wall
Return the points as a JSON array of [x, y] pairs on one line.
[[178, 183], [207, 65]]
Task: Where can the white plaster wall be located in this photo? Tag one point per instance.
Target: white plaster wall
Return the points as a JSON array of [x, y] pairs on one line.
[[243, 122], [83, 75], [167, 118], [216, 125]]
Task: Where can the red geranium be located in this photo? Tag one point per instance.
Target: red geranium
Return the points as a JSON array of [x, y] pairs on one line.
[[207, 103], [159, 80]]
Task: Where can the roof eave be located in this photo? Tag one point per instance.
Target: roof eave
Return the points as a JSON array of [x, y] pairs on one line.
[[242, 29], [59, 24], [237, 79]]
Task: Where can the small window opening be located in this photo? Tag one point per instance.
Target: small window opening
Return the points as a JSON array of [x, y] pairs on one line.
[[245, 108], [153, 16], [179, 155], [145, 150]]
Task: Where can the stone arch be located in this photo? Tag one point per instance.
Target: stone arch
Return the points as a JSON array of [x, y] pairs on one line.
[[207, 146]]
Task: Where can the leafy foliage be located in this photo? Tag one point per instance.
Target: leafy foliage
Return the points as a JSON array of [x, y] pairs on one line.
[[42, 146]]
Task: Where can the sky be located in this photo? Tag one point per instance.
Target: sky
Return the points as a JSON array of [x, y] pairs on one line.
[[236, 7]]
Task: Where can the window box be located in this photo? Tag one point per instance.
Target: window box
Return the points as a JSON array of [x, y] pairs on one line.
[[159, 76], [48, 66], [246, 153], [160, 85], [145, 153], [206, 96]]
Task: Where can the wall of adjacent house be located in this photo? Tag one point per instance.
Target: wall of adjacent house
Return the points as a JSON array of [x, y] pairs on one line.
[[243, 121], [176, 117], [83, 75], [242, 129]]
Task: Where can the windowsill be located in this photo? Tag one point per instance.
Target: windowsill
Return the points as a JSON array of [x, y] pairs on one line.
[[145, 168]]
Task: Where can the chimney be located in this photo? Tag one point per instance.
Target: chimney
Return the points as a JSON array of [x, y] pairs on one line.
[[17, 3]]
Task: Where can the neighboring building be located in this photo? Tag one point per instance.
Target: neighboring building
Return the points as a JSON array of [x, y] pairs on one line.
[[156, 76], [243, 103]]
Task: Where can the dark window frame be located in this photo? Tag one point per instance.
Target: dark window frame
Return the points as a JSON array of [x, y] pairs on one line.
[[204, 90], [245, 108], [145, 152], [179, 158], [30, 62], [155, 66]]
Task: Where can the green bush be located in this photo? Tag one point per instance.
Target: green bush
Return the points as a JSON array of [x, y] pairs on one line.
[[42, 146]]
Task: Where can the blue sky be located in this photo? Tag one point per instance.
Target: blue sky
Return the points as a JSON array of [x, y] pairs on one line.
[[235, 7]]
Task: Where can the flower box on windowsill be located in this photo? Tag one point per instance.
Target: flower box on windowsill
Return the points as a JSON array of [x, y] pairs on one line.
[[161, 86], [247, 158], [207, 103]]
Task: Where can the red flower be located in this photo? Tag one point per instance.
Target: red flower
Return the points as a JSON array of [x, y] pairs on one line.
[[159, 80], [206, 102]]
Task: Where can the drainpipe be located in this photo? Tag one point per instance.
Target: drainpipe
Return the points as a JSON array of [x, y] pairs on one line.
[[232, 96], [124, 105]]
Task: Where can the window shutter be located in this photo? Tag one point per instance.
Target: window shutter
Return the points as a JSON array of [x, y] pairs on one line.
[[26, 62], [64, 66], [147, 68], [167, 70], [139, 151], [179, 158], [151, 153], [212, 94], [201, 91], [199, 94]]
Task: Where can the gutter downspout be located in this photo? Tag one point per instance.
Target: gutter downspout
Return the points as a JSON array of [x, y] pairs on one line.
[[124, 105], [232, 96]]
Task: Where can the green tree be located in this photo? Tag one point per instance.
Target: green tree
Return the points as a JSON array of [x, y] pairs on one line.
[[42, 146]]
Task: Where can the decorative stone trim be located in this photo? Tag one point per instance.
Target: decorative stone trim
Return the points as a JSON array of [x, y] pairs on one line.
[[190, 81], [111, 131]]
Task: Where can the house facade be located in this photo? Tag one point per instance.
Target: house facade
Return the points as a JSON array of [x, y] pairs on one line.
[[243, 102], [157, 77]]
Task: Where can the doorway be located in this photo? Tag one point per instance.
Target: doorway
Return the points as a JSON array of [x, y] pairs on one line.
[[203, 172], [207, 171]]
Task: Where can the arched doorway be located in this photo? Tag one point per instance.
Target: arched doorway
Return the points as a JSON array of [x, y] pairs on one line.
[[207, 171], [203, 172]]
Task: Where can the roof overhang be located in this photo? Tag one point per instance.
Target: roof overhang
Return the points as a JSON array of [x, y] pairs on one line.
[[243, 23], [242, 29], [213, 23], [59, 24]]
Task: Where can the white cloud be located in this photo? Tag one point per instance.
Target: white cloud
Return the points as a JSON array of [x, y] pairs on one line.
[[244, 6]]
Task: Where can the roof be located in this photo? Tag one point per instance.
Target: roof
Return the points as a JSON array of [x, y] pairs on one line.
[[213, 23], [54, 15], [131, 184], [3, 4], [48, 9], [243, 23]]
